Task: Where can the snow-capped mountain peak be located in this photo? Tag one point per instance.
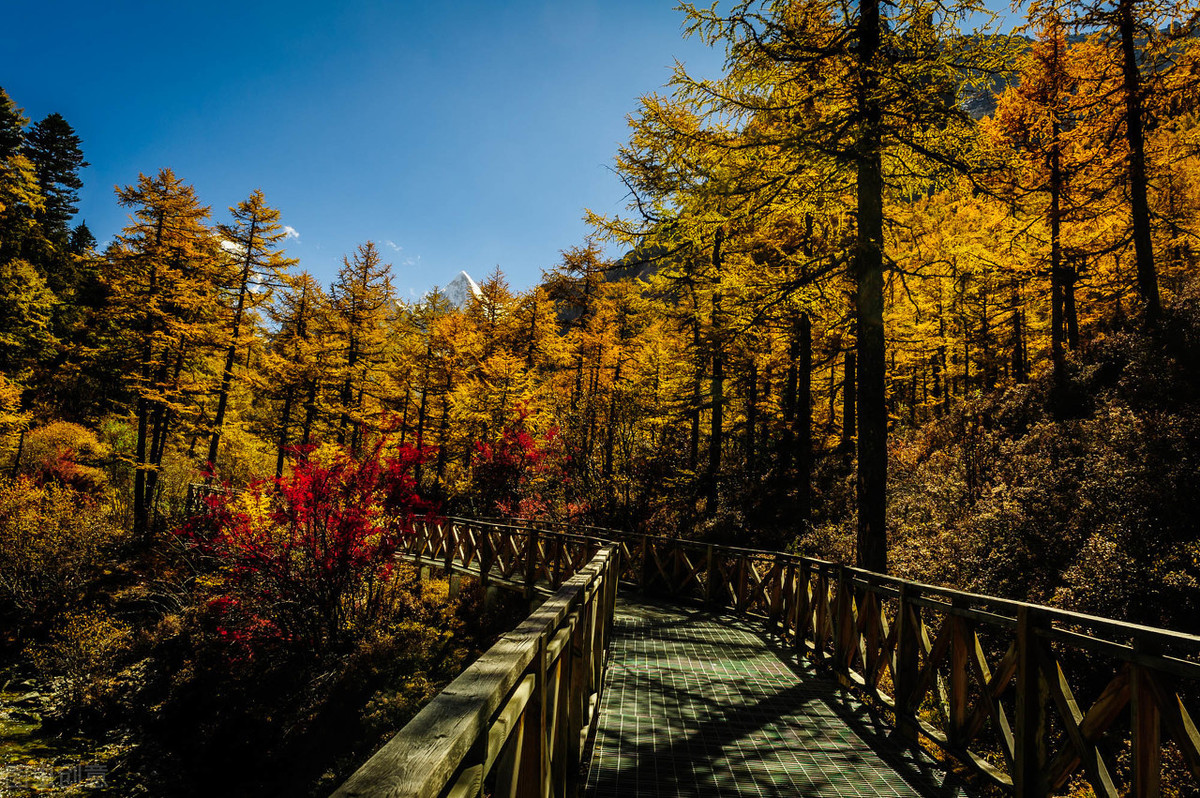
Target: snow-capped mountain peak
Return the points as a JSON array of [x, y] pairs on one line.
[[461, 290]]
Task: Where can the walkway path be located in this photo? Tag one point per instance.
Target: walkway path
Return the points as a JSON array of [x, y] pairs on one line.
[[700, 705]]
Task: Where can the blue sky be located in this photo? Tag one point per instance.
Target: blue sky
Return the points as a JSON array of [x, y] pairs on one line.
[[457, 135]]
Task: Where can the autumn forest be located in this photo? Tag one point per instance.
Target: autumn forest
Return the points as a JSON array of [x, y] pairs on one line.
[[897, 289]]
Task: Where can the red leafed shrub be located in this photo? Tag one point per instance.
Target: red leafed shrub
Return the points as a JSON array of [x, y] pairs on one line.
[[304, 562], [519, 474]]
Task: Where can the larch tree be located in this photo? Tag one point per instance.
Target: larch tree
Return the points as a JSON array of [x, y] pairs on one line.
[[1042, 120], [1151, 60], [296, 360], [21, 199], [252, 242], [821, 101], [361, 302], [163, 274]]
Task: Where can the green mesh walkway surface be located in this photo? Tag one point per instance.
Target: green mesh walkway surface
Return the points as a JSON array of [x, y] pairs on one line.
[[701, 705]]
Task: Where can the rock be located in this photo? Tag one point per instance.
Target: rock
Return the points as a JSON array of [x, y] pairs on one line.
[[31, 699], [13, 685]]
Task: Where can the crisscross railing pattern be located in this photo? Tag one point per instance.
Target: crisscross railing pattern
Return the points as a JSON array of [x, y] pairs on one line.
[[1033, 699], [1036, 701]]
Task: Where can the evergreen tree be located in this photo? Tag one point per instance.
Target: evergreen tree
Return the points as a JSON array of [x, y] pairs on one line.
[[82, 242], [54, 149]]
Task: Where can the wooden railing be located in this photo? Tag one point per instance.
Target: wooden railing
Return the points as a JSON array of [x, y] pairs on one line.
[[1036, 701], [510, 555], [516, 721]]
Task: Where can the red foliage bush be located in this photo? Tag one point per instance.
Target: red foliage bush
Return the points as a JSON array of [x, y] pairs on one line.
[[519, 473], [305, 561]]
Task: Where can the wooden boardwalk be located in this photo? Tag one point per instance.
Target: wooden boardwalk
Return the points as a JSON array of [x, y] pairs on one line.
[[1026, 700], [697, 704]]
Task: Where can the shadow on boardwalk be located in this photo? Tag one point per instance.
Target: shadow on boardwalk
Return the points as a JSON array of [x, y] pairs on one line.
[[701, 705]]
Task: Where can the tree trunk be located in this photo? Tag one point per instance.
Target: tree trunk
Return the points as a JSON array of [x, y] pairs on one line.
[[1056, 269], [1019, 369], [310, 413], [1143, 246], [285, 420], [443, 434], [1070, 275], [610, 439], [790, 400], [422, 411], [752, 419], [872, 410], [141, 518], [230, 356], [803, 432], [717, 421], [16, 466], [849, 425], [717, 418]]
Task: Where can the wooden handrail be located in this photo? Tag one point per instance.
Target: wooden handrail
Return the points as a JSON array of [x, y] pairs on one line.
[[518, 717]]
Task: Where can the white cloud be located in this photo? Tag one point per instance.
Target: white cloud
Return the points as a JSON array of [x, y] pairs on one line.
[[393, 246], [289, 232]]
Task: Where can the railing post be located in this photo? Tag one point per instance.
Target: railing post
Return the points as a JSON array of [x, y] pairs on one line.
[[959, 700], [908, 663], [534, 781], [821, 620], [775, 595], [844, 626], [1146, 726], [558, 551], [740, 605], [577, 693], [803, 608], [531, 552], [787, 595], [1029, 780], [710, 579], [451, 538], [646, 566], [486, 555]]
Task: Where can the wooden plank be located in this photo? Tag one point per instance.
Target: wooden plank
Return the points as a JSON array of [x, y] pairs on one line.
[[1146, 731], [509, 720], [907, 673], [1071, 717], [959, 698], [1098, 719], [804, 608], [995, 685], [1031, 742], [535, 760], [508, 769]]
